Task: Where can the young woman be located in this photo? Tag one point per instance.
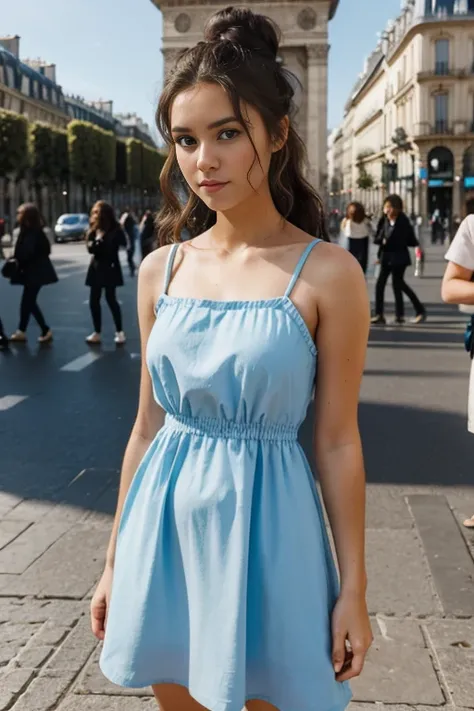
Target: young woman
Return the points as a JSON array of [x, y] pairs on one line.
[[458, 288], [104, 240], [356, 228], [219, 588], [35, 270], [395, 235]]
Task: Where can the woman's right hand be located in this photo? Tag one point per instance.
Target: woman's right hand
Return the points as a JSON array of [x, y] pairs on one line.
[[100, 603]]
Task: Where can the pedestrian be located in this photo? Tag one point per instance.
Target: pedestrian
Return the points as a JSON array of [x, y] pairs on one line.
[[128, 223], [219, 588], [33, 270], [104, 239], [3, 337], [437, 229], [147, 234], [356, 229], [394, 236], [458, 288]]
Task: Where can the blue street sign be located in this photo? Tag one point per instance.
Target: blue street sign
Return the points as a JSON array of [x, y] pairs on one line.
[[423, 173]]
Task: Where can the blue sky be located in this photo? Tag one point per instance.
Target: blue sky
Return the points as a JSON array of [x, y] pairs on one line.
[[111, 50]]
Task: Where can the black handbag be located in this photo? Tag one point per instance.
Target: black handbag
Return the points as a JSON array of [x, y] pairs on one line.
[[10, 269]]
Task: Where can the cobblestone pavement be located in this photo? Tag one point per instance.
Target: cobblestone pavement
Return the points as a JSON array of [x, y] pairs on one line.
[[420, 559]]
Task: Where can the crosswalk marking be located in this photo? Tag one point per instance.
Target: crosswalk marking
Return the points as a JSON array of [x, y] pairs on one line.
[[82, 362], [9, 401]]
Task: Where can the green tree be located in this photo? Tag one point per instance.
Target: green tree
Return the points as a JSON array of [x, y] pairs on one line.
[[81, 155], [13, 144], [365, 181], [134, 163], [92, 156], [153, 162]]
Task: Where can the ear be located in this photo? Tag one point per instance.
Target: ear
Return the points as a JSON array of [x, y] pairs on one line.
[[284, 129]]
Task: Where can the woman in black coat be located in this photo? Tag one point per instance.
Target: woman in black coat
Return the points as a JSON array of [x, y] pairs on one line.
[[34, 270], [104, 240], [395, 234]]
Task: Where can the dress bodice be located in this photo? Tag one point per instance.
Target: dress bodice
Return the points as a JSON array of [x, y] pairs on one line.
[[233, 367]]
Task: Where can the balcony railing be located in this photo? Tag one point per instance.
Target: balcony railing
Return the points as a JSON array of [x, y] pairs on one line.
[[442, 69], [443, 128], [430, 129]]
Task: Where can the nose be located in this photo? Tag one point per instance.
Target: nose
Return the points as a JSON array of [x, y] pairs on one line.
[[207, 157]]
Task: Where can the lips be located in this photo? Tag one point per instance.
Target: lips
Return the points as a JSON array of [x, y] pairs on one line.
[[211, 186]]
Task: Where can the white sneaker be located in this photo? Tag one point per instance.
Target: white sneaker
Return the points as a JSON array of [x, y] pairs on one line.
[[18, 337], [47, 337], [120, 338], [94, 339]]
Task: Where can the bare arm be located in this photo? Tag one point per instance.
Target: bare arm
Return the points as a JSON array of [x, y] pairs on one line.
[[342, 340], [457, 287], [342, 335], [150, 416]]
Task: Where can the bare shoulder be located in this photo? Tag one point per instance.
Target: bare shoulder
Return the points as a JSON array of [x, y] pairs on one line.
[[338, 285], [330, 266], [152, 270]]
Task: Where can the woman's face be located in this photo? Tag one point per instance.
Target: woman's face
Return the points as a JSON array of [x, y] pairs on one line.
[[95, 213], [390, 211], [213, 151]]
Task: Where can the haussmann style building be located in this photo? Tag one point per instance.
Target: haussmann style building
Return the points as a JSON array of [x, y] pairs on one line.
[[409, 121]]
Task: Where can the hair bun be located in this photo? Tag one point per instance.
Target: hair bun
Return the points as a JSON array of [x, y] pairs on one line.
[[245, 28]]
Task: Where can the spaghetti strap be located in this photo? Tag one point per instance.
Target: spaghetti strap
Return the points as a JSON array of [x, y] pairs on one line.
[[299, 266], [169, 266]]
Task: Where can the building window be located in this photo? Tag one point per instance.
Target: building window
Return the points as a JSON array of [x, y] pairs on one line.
[[441, 113], [25, 85], [442, 57], [10, 77]]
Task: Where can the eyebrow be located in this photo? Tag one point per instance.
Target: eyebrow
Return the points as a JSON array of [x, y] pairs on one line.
[[214, 124]]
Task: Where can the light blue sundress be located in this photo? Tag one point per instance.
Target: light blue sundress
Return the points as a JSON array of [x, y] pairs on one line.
[[224, 580]]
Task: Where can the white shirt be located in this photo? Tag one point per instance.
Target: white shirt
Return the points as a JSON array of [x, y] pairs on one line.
[[354, 230], [461, 251]]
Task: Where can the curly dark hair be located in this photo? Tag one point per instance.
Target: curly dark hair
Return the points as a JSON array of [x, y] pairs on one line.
[[240, 54], [356, 212]]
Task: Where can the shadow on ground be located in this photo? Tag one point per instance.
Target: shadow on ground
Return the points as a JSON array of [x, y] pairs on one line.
[[402, 445]]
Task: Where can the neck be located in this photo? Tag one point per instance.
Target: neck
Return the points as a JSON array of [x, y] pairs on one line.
[[253, 223]]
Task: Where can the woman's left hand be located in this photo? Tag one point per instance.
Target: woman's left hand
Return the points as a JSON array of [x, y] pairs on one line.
[[350, 623]]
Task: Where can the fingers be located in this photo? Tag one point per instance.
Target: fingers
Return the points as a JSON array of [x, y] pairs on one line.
[[338, 650], [354, 662], [98, 615]]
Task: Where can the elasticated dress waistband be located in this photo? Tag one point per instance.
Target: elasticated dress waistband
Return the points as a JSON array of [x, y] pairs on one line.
[[229, 429]]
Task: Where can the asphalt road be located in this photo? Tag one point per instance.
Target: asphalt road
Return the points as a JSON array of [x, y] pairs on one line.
[[72, 414]]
